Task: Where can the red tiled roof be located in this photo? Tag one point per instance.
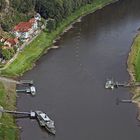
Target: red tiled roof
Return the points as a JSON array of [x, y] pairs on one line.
[[5, 47], [32, 20], [12, 41], [23, 27], [16, 40]]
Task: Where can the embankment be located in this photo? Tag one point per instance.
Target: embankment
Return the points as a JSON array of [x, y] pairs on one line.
[[134, 65]]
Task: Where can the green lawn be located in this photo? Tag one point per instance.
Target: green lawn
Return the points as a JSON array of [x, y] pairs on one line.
[[8, 130]]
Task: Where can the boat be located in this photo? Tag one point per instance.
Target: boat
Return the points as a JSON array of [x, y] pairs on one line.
[[45, 121], [31, 90], [109, 84]]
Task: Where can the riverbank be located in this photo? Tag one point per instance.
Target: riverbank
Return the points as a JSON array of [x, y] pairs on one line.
[[133, 66], [26, 59], [8, 128]]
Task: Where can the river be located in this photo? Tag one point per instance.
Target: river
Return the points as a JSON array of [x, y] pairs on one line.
[[70, 80]]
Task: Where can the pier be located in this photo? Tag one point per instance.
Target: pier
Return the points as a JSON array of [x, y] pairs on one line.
[[31, 90], [126, 101], [118, 101], [30, 82], [43, 119], [111, 84], [29, 87], [31, 114]]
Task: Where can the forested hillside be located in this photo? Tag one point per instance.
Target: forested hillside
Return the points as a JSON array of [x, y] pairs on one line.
[[58, 9], [14, 11]]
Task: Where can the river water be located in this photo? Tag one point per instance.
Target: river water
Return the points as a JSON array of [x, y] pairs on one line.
[[70, 80]]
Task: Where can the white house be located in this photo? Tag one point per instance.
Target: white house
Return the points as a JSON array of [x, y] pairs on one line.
[[24, 30], [37, 17], [2, 39], [11, 42]]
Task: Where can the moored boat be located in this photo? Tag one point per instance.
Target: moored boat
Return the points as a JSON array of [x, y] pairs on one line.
[[45, 121], [109, 84]]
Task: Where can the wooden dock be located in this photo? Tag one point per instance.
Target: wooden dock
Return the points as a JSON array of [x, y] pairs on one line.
[[127, 84], [30, 90], [118, 101], [126, 101], [30, 82], [111, 84], [31, 114]]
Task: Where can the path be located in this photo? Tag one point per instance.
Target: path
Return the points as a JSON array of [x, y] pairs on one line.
[[21, 49], [9, 80]]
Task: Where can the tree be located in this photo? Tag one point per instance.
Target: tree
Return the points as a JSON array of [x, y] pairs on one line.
[[23, 6], [2, 4], [51, 24], [58, 9], [8, 53]]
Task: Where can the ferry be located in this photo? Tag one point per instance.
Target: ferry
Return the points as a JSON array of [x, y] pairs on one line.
[[45, 121]]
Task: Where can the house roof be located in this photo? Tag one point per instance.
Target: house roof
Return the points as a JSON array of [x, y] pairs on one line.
[[23, 27], [5, 47], [16, 40], [12, 41], [32, 20]]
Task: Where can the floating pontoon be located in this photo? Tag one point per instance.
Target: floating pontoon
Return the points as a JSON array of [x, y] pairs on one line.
[[111, 84], [30, 82], [31, 90], [31, 114]]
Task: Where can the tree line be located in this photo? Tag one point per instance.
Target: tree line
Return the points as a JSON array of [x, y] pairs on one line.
[[24, 9], [58, 9], [2, 4]]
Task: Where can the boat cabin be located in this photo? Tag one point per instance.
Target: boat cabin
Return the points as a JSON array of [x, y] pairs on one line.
[[44, 117]]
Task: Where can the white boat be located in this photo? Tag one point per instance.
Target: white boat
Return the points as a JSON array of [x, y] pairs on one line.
[[45, 121], [31, 90], [109, 84]]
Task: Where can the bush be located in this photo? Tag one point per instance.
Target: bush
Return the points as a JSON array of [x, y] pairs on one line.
[[51, 25], [8, 53]]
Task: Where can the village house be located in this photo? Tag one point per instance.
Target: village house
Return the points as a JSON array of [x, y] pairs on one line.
[[2, 39], [37, 17], [11, 42], [25, 30]]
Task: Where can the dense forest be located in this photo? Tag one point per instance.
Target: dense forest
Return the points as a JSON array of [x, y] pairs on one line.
[[14, 11]]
